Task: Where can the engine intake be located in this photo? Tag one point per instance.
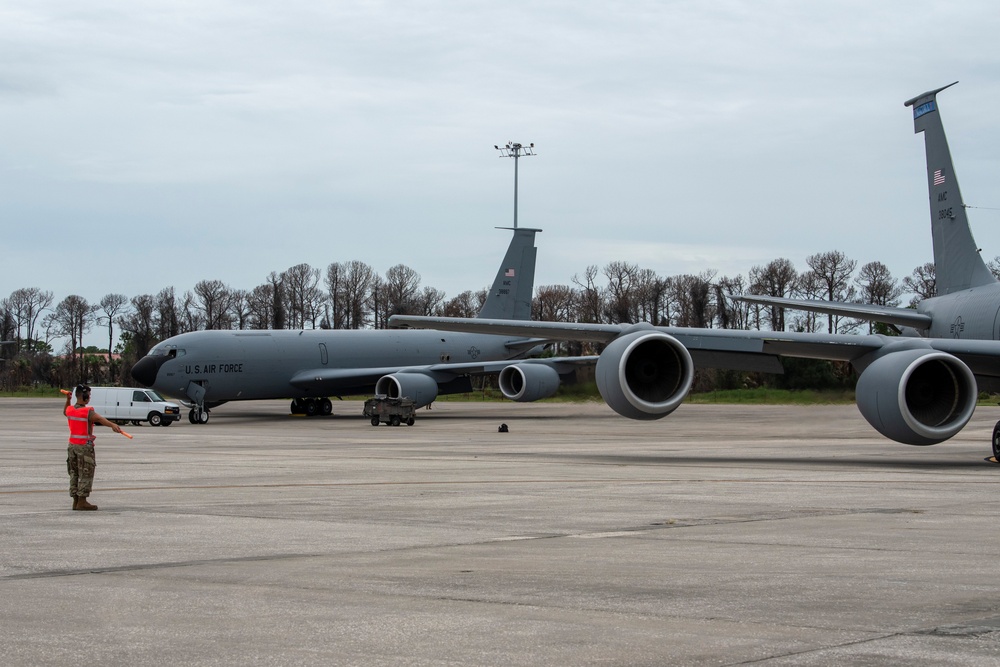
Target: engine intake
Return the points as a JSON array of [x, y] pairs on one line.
[[645, 374], [917, 397], [422, 389], [528, 382]]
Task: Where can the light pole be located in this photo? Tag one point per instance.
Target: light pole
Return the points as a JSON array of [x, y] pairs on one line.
[[515, 150]]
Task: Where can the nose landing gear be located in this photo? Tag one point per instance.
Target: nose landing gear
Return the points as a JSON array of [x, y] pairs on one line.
[[198, 415]]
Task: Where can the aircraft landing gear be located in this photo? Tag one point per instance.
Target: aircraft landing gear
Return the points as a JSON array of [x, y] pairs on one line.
[[198, 416], [312, 406], [996, 443]]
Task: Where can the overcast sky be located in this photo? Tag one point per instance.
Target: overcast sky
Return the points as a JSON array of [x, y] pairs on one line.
[[150, 144]]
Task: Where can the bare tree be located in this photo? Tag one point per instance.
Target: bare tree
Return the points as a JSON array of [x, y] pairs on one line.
[[140, 324], [190, 316], [336, 294], [260, 307], [278, 294], [651, 298], [692, 294], [239, 308], [25, 306], [112, 305], [590, 299], [808, 286], [399, 290], [776, 279], [833, 269], [922, 283], [428, 301], [554, 303], [463, 305], [621, 299], [358, 281], [303, 295], [168, 319], [73, 318], [213, 300], [730, 313]]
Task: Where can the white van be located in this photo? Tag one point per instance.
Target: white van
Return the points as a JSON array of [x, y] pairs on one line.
[[128, 404]]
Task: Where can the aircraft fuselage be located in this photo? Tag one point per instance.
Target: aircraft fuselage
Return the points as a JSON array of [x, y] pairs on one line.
[[972, 314], [248, 365]]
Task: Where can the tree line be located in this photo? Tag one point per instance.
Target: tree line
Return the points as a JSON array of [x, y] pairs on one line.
[[352, 295]]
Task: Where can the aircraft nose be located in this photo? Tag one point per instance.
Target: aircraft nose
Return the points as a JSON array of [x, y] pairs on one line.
[[144, 371]]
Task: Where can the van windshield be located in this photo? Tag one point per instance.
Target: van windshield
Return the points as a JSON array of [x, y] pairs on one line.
[[153, 395]]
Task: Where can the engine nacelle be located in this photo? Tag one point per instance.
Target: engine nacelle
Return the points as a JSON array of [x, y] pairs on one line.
[[645, 374], [917, 397], [422, 389], [528, 382]]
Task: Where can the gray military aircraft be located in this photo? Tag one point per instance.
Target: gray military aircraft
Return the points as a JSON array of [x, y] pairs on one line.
[[919, 388], [208, 368]]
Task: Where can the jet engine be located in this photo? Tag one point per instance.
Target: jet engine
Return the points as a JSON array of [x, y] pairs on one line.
[[528, 382], [917, 397], [422, 389], [644, 374]]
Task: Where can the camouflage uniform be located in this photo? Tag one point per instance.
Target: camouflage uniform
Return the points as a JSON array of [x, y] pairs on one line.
[[81, 463]]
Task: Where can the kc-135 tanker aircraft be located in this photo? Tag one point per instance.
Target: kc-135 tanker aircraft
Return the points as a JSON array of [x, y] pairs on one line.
[[209, 368], [918, 388]]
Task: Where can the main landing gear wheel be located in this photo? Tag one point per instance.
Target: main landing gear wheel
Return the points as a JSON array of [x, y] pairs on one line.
[[197, 416], [996, 442]]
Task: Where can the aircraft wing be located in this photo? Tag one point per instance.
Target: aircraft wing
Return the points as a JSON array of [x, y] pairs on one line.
[[904, 317], [709, 348], [335, 380]]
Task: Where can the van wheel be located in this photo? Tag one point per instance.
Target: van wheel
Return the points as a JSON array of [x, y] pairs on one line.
[[155, 419]]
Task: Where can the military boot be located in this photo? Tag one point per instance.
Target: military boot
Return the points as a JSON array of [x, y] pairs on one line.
[[76, 503], [82, 504]]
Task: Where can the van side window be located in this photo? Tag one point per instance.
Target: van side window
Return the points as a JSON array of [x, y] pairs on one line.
[[139, 397]]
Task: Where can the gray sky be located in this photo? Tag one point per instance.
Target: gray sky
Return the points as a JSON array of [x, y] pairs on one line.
[[151, 143]]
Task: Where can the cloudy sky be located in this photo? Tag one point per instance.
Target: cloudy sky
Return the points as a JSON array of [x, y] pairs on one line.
[[151, 143]]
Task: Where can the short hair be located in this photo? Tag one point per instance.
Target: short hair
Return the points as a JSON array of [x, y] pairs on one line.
[[82, 390]]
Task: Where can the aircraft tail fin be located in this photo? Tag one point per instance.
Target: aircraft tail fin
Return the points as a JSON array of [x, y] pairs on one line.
[[957, 262], [510, 296]]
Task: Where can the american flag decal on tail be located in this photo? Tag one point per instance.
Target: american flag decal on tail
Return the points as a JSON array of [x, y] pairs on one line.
[[509, 273], [938, 177]]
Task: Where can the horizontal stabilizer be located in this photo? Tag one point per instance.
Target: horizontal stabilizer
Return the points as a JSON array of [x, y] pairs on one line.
[[903, 317]]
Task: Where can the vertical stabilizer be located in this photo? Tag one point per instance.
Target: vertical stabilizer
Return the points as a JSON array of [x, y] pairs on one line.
[[510, 296], [957, 262]]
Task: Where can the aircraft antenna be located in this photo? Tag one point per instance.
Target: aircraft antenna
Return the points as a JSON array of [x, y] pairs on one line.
[[515, 150]]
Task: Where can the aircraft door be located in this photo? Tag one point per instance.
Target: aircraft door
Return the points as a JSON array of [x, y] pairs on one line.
[[324, 356]]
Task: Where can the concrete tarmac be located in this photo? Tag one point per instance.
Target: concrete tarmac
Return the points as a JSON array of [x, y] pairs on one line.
[[721, 535]]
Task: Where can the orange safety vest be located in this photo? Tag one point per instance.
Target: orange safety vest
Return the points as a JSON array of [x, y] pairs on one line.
[[81, 431]]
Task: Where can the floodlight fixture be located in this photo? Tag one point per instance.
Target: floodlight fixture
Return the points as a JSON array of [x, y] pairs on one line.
[[515, 150]]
